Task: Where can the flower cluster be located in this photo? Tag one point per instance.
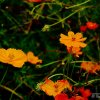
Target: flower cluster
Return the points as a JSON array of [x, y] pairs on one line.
[[90, 67], [89, 25], [73, 42], [81, 94], [56, 89], [17, 58]]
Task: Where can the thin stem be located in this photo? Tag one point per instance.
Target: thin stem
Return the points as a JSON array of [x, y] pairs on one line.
[[72, 70], [41, 66], [67, 16], [78, 4], [58, 4], [31, 88], [52, 71], [91, 81], [12, 91], [16, 89], [79, 61], [60, 74], [47, 17], [87, 83], [43, 4], [98, 46], [4, 75]]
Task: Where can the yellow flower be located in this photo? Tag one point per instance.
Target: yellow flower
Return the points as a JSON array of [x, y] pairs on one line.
[[13, 57], [32, 58], [73, 40], [74, 51], [53, 88]]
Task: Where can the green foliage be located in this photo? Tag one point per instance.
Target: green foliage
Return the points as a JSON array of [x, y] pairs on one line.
[[37, 27]]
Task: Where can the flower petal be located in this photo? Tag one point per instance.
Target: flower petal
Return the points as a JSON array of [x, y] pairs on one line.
[[70, 34]]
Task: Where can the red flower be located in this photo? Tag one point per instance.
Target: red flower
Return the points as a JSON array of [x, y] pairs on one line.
[[34, 0], [61, 96], [85, 92], [83, 28], [78, 98], [92, 25]]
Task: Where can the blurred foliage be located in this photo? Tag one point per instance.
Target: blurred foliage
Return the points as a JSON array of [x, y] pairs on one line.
[[36, 27]]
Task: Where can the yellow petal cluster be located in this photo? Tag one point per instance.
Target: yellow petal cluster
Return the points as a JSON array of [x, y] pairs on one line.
[[73, 40], [90, 67], [12, 56], [17, 58], [32, 58], [53, 88]]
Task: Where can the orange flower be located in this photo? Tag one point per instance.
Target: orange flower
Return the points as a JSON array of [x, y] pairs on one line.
[[13, 57], [90, 67], [73, 40], [74, 51], [32, 58], [85, 92], [52, 89], [97, 66], [61, 96]]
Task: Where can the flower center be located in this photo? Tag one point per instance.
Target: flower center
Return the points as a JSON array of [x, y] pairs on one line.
[[56, 86], [73, 39]]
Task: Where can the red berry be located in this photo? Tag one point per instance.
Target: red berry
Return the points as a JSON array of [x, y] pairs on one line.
[[92, 25], [83, 28]]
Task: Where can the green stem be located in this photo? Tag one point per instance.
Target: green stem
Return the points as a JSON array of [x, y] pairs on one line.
[[16, 89], [12, 91], [80, 61], [98, 46], [54, 69], [41, 66], [60, 74], [72, 70], [87, 83], [58, 4], [4, 75], [91, 81], [43, 4], [67, 16], [32, 89], [78, 4], [47, 17]]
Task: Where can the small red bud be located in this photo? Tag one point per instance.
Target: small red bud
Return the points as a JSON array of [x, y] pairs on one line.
[[83, 28]]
